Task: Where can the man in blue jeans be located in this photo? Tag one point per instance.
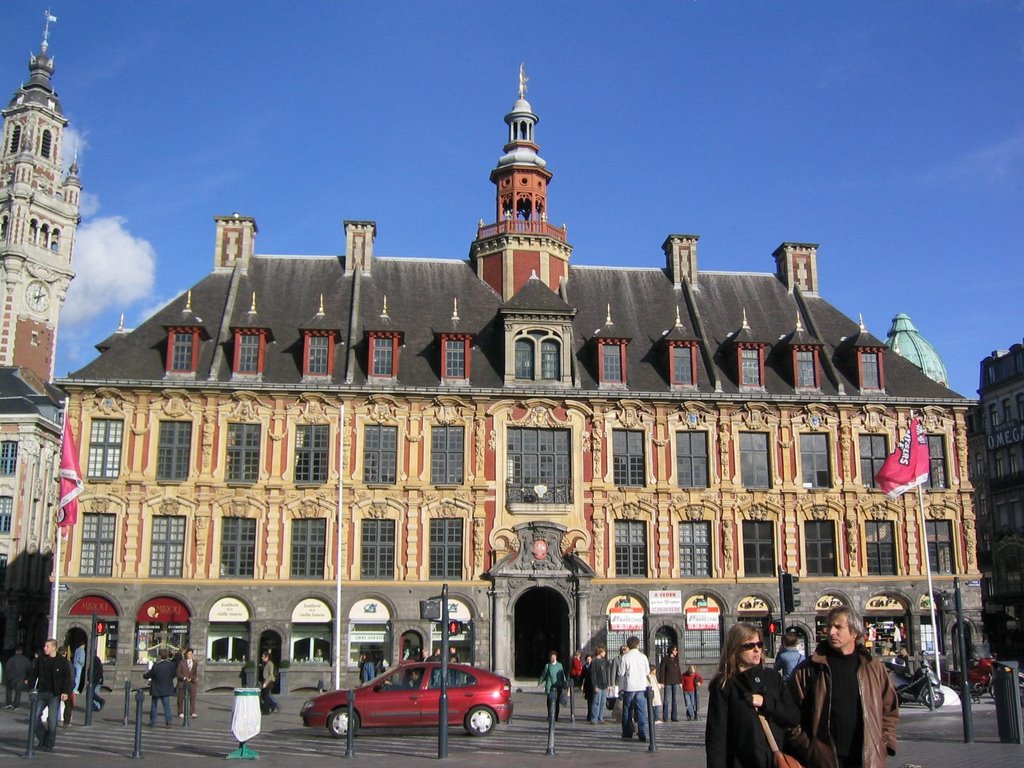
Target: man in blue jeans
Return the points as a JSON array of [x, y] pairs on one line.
[[633, 670], [161, 687], [51, 677]]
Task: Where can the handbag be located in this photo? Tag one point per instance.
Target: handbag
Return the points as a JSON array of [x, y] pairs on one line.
[[782, 760], [563, 698]]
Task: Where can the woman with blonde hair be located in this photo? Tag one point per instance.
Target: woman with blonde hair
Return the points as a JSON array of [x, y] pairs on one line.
[[742, 689]]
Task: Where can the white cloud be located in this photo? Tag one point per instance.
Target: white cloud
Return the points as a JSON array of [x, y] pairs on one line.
[[113, 270], [75, 145], [88, 205]]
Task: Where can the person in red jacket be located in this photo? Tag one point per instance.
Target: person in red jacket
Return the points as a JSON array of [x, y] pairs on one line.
[[691, 681], [576, 668]]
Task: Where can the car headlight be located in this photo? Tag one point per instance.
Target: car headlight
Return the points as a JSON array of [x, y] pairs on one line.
[[308, 705]]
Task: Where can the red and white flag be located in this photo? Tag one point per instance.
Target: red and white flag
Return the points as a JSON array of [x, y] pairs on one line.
[[907, 466], [70, 479]]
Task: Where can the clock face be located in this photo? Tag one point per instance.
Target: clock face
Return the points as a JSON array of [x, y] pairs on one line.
[[38, 296]]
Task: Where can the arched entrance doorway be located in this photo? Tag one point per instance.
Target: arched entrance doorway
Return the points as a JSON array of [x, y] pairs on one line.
[[541, 626]]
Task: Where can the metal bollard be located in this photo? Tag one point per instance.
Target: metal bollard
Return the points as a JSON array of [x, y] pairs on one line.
[[652, 745], [186, 707], [140, 695], [127, 701], [551, 722], [349, 735], [34, 709]]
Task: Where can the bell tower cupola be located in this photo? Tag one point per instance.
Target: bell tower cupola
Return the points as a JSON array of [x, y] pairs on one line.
[[38, 218], [521, 241]]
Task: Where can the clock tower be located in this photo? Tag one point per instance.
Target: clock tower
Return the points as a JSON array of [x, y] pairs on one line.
[[38, 219]]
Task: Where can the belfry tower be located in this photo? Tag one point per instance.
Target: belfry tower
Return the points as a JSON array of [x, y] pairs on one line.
[[38, 220], [521, 242]]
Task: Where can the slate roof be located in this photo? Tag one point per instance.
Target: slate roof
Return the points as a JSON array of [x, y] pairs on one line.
[[420, 298], [22, 393]]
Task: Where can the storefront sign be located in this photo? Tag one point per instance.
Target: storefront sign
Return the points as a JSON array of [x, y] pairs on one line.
[[370, 610], [827, 602], [90, 604], [753, 604], [163, 610], [311, 611], [229, 609], [367, 635], [706, 617], [666, 601], [1007, 433], [883, 604]]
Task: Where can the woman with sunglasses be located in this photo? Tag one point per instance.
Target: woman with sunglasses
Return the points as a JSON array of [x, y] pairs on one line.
[[742, 689]]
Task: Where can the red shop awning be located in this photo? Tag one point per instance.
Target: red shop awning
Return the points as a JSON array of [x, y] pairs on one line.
[[163, 610], [90, 604]]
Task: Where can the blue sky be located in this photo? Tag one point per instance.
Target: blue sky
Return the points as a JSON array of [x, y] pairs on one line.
[[891, 133]]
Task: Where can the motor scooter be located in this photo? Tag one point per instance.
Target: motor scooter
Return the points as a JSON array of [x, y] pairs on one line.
[[920, 687]]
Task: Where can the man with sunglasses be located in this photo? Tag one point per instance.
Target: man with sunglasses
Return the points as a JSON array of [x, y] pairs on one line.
[[848, 707]]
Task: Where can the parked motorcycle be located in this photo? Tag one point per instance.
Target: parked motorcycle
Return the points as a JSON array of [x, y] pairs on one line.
[[979, 680], [920, 687]]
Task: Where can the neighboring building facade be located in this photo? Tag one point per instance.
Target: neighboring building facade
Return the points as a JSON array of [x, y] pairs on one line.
[[580, 453], [997, 469], [38, 220]]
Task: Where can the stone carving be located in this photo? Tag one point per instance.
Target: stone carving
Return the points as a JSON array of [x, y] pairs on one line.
[[757, 512], [202, 524], [209, 425], [535, 416], [694, 512], [168, 507], [819, 512], [174, 405], [727, 545], [851, 540], [377, 511], [381, 411], [480, 441]]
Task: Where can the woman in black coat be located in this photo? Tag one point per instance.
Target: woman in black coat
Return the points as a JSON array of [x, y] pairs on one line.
[[742, 689]]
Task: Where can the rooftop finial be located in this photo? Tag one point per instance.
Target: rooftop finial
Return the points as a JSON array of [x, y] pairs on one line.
[[321, 310], [188, 301], [799, 326], [860, 316], [384, 312], [46, 29], [608, 316], [522, 80], [679, 322], [745, 324], [455, 308], [120, 324], [252, 307]]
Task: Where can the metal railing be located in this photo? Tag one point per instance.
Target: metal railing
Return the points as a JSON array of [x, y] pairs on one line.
[[536, 490]]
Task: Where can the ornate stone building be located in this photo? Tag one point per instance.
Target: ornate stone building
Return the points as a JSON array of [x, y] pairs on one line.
[[580, 453], [38, 220]]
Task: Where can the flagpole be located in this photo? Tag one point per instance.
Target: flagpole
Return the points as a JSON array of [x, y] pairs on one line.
[[337, 544], [928, 571], [55, 597]]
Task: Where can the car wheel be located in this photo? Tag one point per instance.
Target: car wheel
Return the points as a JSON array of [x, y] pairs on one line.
[[480, 721], [337, 723]]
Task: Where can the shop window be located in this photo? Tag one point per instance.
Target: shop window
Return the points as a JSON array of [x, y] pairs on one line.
[[105, 437], [311, 643], [228, 643]]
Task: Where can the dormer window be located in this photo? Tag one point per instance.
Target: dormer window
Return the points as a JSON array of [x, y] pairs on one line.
[[805, 368], [682, 364], [455, 357], [182, 350], [611, 361], [751, 366], [871, 373], [384, 354], [318, 353], [534, 351], [250, 348]]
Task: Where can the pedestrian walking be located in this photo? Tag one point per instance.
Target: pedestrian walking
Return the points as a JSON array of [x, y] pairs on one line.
[[555, 683], [161, 687], [789, 657], [848, 706], [655, 686], [51, 677], [691, 683], [742, 692], [16, 673], [268, 675]]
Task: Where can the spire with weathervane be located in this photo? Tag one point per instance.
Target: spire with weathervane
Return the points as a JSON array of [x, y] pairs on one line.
[[521, 239]]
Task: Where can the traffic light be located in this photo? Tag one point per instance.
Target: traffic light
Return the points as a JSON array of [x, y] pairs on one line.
[[454, 627], [772, 628], [789, 592], [99, 627]]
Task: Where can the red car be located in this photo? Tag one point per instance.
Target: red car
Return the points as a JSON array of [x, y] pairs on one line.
[[408, 695]]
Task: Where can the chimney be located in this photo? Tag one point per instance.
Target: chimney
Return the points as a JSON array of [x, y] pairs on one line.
[[681, 255], [796, 265], [359, 237], [235, 241]]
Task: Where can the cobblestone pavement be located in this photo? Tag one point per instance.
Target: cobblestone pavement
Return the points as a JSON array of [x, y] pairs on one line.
[[927, 739]]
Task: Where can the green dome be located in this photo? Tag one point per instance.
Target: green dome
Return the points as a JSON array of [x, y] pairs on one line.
[[906, 340]]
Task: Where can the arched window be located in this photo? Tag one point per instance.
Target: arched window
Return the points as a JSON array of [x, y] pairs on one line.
[[55, 240], [550, 360], [47, 144], [44, 235], [524, 359], [33, 231]]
